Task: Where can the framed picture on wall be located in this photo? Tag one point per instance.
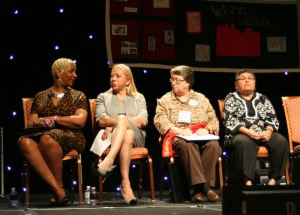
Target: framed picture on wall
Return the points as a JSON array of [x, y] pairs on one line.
[[193, 22], [151, 44], [276, 44], [119, 29], [169, 37]]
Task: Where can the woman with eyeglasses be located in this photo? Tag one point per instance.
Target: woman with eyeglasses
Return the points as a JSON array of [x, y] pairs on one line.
[[250, 121], [183, 112]]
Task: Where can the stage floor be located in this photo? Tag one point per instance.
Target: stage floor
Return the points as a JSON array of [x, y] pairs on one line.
[[112, 205]]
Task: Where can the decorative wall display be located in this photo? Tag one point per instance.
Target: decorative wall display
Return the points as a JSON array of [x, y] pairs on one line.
[[207, 35], [193, 22], [276, 44], [202, 53]]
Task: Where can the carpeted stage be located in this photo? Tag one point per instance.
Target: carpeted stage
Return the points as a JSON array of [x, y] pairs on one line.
[[112, 205]]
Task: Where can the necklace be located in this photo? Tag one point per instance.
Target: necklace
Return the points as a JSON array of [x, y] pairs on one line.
[[58, 95]]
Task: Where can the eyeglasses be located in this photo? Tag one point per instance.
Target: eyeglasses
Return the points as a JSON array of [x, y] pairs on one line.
[[176, 81], [245, 78]]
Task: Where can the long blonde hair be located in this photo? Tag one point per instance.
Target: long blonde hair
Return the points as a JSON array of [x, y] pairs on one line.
[[131, 88]]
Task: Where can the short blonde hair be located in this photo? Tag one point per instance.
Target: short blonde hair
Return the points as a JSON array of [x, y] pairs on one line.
[[60, 64], [131, 90]]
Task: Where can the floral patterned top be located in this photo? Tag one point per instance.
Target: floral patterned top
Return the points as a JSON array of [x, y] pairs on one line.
[[169, 106], [256, 114], [67, 138]]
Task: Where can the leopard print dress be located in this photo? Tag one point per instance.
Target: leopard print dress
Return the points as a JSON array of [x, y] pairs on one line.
[[67, 138]]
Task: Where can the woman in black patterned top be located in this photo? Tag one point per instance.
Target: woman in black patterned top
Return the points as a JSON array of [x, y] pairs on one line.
[[64, 110], [250, 121]]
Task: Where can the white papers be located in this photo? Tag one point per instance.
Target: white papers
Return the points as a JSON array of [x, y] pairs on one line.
[[100, 145], [195, 137]]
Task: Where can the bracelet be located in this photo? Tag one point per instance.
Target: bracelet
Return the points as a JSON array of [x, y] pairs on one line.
[[55, 118]]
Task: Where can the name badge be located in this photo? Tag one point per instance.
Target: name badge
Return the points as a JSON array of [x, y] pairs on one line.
[[184, 116], [194, 102]]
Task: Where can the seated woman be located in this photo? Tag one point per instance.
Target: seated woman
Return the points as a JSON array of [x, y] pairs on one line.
[[64, 110], [122, 111], [184, 111], [250, 121]]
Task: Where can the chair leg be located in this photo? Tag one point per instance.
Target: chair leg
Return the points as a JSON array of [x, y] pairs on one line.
[[26, 184], [79, 170], [140, 183], [101, 189], [287, 175], [161, 184], [221, 174], [151, 179]]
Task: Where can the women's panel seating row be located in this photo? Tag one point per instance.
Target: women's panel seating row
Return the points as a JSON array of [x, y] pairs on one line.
[[262, 153], [27, 103], [138, 154]]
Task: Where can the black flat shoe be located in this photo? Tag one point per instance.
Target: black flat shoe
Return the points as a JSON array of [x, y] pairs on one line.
[[64, 201]]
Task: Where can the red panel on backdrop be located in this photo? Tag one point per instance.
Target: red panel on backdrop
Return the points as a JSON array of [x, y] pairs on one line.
[[125, 39], [159, 41], [125, 7], [233, 42], [159, 8]]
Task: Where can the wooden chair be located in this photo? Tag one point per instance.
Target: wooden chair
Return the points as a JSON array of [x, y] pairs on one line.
[[263, 152], [291, 106], [27, 103], [138, 154]]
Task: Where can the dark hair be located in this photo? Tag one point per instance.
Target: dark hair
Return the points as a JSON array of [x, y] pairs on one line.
[[241, 71], [186, 72]]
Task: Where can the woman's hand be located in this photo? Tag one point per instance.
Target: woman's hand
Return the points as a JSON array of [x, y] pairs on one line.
[[253, 134], [202, 131], [186, 131], [139, 122], [106, 133], [266, 135], [46, 121]]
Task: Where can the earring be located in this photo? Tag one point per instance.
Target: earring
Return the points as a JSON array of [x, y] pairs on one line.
[[59, 81]]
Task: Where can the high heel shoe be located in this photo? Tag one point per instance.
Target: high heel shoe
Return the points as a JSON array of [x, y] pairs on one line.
[[63, 202], [128, 201], [96, 170]]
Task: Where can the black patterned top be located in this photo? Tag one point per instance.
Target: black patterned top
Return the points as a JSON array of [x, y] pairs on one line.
[[67, 138], [255, 114]]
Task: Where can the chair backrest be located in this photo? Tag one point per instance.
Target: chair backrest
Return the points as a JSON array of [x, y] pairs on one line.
[[27, 103], [92, 110], [221, 107], [291, 105]]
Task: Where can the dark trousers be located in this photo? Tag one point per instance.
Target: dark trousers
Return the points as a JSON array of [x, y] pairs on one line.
[[245, 153], [199, 160]]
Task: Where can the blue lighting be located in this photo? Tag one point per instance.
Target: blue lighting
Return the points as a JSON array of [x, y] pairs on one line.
[[133, 165], [56, 47], [91, 36], [107, 62], [61, 10], [118, 189], [14, 113], [286, 73], [16, 12], [75, 61], [9, 168], [74, 183], [166, 178], [11, 57], [224, 154], [24, 189], [145, 71]]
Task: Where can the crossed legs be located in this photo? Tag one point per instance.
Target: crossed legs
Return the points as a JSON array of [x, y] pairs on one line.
[[121, 145], [45, 158]]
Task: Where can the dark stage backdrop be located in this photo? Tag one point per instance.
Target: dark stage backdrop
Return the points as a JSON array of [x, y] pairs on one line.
[[30, 37]]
